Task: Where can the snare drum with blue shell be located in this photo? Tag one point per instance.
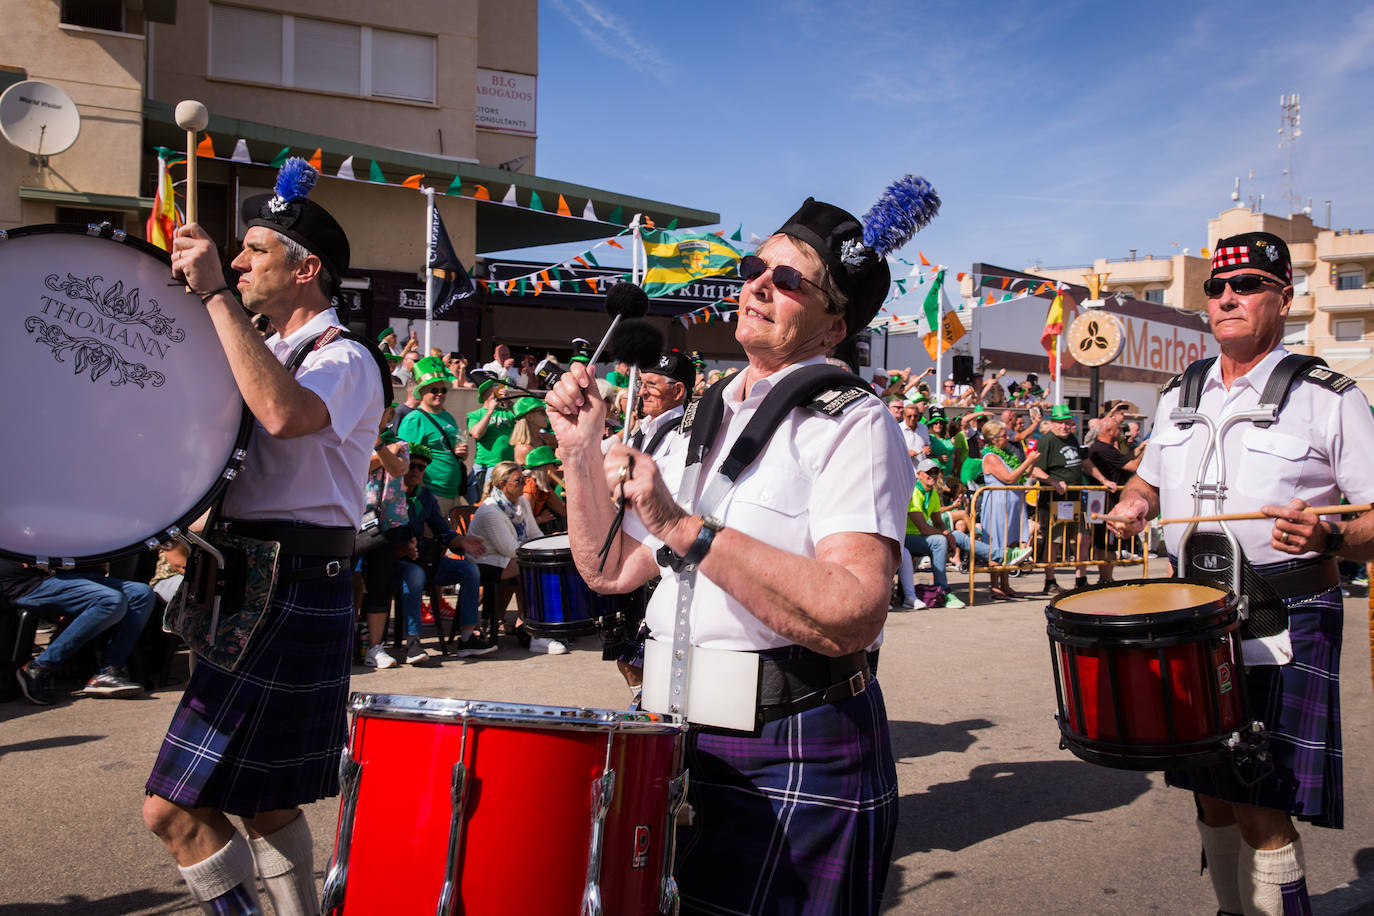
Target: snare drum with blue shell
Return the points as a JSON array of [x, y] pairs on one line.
[[557, 601]]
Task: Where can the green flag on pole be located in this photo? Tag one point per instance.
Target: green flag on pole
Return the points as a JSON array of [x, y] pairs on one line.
[[674, 260], [932, 303]]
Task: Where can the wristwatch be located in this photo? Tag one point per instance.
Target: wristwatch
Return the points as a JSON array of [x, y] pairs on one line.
[[697, 552], [1335, 539]]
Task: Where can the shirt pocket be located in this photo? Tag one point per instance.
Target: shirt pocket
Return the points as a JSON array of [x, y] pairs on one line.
[[1270, 465], [1173, 457], [770, 495]]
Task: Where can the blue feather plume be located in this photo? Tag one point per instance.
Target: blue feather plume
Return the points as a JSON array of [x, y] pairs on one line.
[[295, 179], [903, 209]]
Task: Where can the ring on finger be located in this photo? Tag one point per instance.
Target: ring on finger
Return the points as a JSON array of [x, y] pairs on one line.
[[625, 473], [1283, 536]]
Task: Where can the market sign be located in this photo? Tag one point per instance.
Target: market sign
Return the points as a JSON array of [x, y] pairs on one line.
[[506, 101]]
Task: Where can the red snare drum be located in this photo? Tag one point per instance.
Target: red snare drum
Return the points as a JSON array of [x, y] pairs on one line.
[[441, 796], [1147, 673]]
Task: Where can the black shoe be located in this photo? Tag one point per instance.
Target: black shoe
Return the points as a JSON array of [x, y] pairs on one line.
[[473, 644], [36, 682], [1052, 588], [522, 636], [1080, 582], [416, 656]]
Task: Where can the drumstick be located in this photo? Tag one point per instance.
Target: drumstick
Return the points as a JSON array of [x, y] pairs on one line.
[[191, 116], [1237, 516]]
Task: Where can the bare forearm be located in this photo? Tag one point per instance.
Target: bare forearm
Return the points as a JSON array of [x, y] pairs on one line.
[[590, 512], [284, 407], [821, 603], [479, 429]]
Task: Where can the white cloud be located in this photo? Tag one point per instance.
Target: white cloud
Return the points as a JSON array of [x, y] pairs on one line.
[[614, 38]]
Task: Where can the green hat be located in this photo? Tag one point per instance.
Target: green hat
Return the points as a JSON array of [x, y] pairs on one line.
[[486, 386], [540, 456], [428, 371], [421, 452], [392, 357], [525, 405], [1061, 412], [385, 334]]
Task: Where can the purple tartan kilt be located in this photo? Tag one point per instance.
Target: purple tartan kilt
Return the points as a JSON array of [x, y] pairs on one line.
[[1299, 703], [799, 820], [267, 737]]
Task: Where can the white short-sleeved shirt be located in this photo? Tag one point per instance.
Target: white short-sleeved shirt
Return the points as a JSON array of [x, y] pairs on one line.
[[916, 439], [1319, 449], [817, 476], [317, 478]]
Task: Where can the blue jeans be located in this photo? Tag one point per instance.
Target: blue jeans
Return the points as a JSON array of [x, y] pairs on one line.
[[936, 546], [452, 571], [99, 604]]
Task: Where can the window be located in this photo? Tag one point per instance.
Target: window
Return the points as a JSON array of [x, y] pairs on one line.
[[1348, 328], [94, 14], [304, 53], [1155, 295], [1299, 283], [1350, 278], [1294, 332]]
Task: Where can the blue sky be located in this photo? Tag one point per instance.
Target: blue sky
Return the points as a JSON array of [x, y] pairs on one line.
[[1054, 133]]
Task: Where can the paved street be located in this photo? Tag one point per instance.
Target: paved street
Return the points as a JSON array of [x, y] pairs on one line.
[[995, 818]]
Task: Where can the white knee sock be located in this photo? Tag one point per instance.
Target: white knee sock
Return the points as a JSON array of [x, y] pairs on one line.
[[229, 869], [286, 864], [1222, 846], [1273, 882]]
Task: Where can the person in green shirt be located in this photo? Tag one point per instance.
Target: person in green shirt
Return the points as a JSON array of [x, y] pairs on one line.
[[490, 427], [1060, 463], [431, 425]]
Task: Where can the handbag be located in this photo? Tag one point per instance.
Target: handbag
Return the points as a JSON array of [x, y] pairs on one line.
[[220, 607]]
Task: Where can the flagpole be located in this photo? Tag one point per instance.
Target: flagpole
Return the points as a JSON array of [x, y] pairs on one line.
[[939, 335], [1058, 370], [429, 260]]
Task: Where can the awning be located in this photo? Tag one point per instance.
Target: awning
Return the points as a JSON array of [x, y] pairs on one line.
[[499, 227]]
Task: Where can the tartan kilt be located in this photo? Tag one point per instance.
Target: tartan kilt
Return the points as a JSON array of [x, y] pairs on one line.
[[1299, 704], [801, 819], [267, 737]]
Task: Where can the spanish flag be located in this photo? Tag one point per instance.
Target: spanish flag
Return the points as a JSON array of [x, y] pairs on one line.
[[677, 259], [1060, 315], [165, 218]]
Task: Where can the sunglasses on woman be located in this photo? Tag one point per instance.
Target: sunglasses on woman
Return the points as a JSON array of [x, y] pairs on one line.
[[1243, 284], [751, 267]]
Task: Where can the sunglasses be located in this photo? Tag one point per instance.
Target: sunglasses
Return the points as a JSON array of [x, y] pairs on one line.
[[1243, 284], [751, 267]]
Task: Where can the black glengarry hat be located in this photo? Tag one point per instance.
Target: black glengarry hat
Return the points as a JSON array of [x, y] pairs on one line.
[[1261, 251], [676, 366], [290, 212], [856, 251]]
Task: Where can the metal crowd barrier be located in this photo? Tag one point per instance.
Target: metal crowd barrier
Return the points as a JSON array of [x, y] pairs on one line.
[[1064, 517]]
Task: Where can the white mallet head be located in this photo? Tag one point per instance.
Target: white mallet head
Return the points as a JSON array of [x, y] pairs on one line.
[[192, 115]]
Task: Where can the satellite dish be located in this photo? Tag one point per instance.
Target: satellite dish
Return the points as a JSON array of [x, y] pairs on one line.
[[39, 118]]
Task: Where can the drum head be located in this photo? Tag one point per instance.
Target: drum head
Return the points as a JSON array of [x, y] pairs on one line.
[[124, 413], [554, 543]]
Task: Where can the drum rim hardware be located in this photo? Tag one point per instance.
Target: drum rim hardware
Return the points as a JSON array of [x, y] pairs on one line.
[[445, 709]]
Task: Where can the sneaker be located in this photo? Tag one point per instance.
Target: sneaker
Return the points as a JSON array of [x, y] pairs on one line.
[[36, 682], [541, 646], [923, 565], [112, 683], [911, 603], [1361, 580], [416, 654], [1018, 555], [473, 644], [378, 657], [953, 600], [1051, 588]]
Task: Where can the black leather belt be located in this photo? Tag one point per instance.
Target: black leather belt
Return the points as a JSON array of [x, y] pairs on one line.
[[788, 686], [312, 541], [1316, 575]]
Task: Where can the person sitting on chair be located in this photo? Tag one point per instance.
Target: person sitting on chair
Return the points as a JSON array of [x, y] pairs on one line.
[[97, 604]]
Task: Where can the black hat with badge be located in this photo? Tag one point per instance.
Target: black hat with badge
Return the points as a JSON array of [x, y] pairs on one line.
[[290, 212], [854, 251], [1262, 251], [676, 366]]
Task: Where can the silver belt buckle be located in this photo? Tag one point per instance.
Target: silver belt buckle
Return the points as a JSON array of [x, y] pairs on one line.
[[857, 683], [331, 569]]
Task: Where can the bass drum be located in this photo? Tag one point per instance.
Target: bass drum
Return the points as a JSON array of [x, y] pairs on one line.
[[126, 422]]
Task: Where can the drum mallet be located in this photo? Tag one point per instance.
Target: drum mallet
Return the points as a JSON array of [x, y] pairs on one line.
[[637, 343], [623, 300], [192, 117], [1238, 516]]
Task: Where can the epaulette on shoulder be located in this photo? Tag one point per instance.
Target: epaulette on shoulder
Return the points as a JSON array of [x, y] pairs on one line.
[[689, 414], [1328, 378], [835, 400], [1172, 384]]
